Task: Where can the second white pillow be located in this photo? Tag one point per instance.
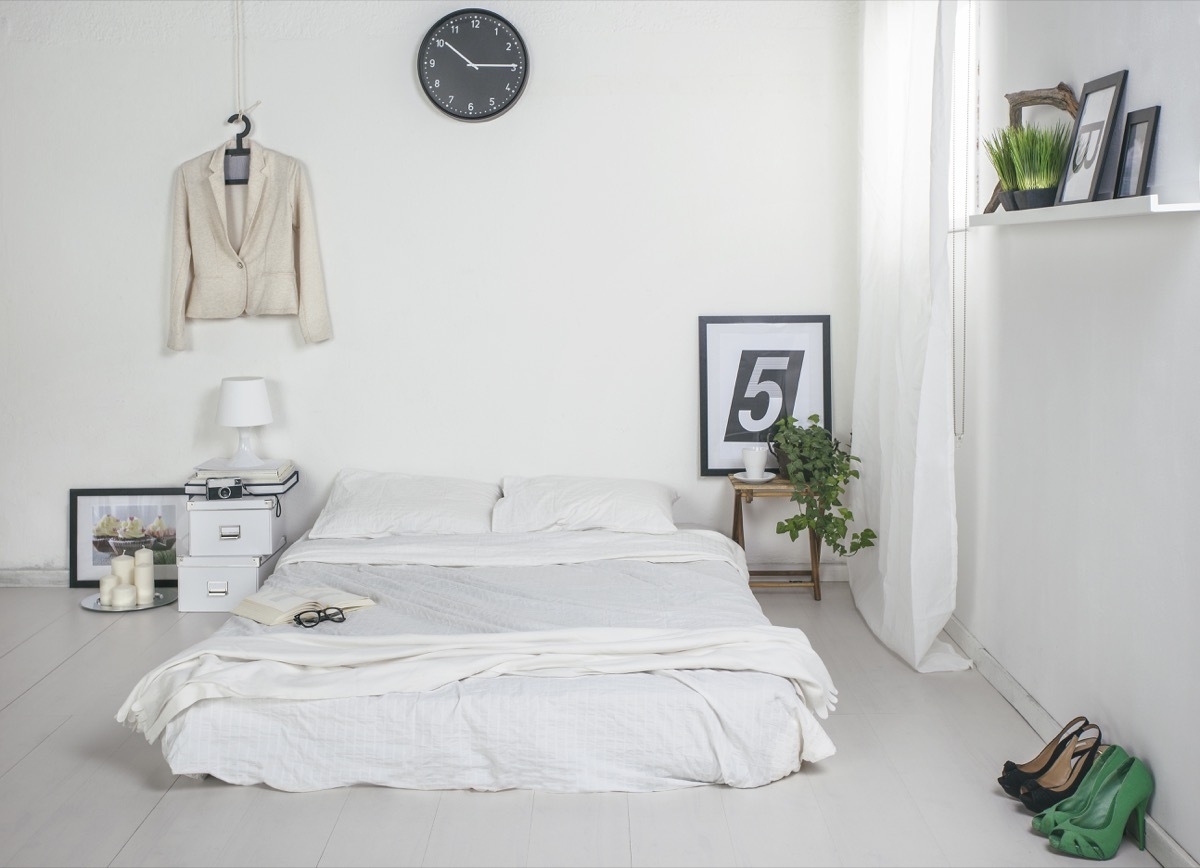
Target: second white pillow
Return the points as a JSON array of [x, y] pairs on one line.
[[583, 503]]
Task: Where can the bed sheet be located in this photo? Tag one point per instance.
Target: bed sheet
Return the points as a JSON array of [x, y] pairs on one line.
[[636, 731]]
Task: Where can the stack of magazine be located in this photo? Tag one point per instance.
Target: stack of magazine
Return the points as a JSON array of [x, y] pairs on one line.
[[271, 477]]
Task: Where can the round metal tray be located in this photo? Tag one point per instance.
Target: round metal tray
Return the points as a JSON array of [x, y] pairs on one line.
[[162, 597]]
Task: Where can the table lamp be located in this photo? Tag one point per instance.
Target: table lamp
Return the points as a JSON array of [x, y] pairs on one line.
[[243, 405]]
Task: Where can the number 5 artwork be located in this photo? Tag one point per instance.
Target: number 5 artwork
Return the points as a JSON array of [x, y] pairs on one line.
[[753, 372]]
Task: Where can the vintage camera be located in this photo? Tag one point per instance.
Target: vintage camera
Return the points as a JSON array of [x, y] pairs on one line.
[[224, 489]]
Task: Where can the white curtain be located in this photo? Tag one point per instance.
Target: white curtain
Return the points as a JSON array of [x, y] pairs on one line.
[[903, 416]]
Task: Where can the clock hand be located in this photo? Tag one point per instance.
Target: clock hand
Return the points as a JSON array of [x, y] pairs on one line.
[[511, 66], [460, 54]]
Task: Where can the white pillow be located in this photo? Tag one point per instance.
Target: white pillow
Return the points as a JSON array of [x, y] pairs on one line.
[[583, 503], [365, 503]]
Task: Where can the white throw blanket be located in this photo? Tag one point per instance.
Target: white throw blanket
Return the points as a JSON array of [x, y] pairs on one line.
[[282, 665]]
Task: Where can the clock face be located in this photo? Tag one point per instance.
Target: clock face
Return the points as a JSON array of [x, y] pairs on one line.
[[472, 65]]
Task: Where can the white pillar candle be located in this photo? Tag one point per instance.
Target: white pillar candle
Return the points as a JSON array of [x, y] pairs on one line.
[[143, 582], [124, 596], [106, 588], [142, 557], [122, 567]]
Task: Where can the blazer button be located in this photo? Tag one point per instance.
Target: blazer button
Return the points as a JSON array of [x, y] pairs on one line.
[[240, 265]]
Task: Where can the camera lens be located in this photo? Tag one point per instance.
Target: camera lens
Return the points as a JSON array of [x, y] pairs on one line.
[[224, 493]]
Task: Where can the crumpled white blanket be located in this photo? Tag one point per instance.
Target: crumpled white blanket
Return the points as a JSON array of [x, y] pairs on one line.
[[300, 666]]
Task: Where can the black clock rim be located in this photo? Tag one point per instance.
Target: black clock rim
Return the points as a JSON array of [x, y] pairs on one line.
[[425, 41]]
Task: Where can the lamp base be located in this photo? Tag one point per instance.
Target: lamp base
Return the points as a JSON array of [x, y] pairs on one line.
[[244, 459]]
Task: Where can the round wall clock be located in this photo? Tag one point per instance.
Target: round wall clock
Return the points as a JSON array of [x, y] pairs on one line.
[[472, 65]]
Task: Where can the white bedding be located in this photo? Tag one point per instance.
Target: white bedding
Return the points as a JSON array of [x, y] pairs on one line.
[[513, 622]]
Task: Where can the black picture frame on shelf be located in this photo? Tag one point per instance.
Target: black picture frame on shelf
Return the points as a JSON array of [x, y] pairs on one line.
[[1137, 148], [1099, 103], [755, 370], [91, 553]]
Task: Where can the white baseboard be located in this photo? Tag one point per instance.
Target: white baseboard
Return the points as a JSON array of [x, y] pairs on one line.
[[1165, 849], [35, 578]]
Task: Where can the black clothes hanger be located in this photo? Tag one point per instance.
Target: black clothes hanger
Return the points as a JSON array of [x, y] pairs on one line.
[[237, 160]]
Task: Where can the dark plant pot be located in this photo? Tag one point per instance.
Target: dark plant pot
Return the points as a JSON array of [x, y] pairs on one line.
[[782, 459], [1007, 200], [1026, 199]]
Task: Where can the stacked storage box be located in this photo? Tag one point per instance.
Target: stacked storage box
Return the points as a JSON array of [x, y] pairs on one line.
[[234, 546]]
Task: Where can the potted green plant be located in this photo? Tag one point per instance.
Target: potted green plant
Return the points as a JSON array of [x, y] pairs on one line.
[[1000, 153], [819, 468], [1029, 162]]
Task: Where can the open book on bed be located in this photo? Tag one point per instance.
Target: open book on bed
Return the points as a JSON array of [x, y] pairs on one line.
[[273, 606]]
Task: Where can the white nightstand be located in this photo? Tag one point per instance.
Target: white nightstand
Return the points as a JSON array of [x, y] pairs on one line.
[[233, 547]]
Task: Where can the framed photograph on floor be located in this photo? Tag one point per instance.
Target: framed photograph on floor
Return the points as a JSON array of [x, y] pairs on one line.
[[1137, 147], [117, 521], [1098, 106], [755, 370]]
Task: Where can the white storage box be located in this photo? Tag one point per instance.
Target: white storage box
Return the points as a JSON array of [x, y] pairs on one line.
[[245, 526], [217, 584]]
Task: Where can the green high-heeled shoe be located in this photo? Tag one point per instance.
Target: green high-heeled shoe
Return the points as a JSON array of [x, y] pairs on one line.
[[1119, 805], [1109, 759]]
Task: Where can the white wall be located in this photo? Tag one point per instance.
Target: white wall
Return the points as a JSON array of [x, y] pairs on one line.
[[1079, 470], [514, 297]]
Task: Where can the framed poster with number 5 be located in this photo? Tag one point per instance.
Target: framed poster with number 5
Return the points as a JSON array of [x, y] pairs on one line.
[[755, 370]]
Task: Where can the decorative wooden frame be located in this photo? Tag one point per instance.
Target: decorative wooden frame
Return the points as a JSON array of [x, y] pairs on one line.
[[1060, 97], [753, 371], [1088, 151], [90, 560], [1137, 148]]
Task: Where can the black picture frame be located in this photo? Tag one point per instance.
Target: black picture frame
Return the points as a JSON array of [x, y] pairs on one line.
[[777, 365], [92, 553], [1087, 154], [1137, 148]]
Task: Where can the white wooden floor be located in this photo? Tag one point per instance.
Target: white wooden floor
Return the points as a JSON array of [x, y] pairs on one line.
[[913, 782]]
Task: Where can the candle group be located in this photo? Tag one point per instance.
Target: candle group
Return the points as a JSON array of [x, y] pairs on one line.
[[131, 582]]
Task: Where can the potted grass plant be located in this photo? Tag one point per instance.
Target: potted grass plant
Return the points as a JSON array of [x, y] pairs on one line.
[[1029, 162], [1000, 153], [1039, 155]]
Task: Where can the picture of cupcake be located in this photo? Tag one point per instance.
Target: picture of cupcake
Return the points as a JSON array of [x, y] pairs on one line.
[[131, 536], [162, 537], [104, 532]]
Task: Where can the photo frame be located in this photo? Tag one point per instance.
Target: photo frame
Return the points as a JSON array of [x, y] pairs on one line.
[[1137, 148], [1088, 151], [754, 370], [109, 521]]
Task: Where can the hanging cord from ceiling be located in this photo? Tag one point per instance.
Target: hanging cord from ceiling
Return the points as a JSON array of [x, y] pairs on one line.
[[242, 111], [237, 158]]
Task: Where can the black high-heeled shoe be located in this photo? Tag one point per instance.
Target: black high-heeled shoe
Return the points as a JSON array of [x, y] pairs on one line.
[[1014, 775], [1065, 774]]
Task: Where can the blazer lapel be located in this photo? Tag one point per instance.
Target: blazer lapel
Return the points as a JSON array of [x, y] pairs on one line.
[[216, 180], [258, 178]]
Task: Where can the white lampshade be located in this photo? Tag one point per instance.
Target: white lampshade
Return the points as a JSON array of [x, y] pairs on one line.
[[244, 402], [243, 405]]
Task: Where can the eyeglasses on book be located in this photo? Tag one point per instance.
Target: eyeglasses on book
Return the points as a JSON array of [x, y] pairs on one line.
[[313, 617]]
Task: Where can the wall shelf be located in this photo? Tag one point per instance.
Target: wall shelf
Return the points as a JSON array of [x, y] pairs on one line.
[[1129, 207]]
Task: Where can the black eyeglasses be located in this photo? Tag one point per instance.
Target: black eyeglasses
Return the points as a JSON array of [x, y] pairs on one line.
[[313, 617]]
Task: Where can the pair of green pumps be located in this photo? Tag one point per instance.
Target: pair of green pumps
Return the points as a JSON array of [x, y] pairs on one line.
[[1111, 799]]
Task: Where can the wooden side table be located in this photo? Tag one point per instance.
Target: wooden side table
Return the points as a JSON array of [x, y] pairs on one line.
[[745, 492]]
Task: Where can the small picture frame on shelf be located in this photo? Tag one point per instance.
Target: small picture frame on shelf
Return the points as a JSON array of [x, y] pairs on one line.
[[1089, 145], [1137, 147]]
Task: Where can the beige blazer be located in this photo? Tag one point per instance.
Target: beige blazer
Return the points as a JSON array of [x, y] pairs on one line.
[[278, 268]]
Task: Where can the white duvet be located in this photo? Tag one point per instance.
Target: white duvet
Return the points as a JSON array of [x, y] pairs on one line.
[[572, 661]]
